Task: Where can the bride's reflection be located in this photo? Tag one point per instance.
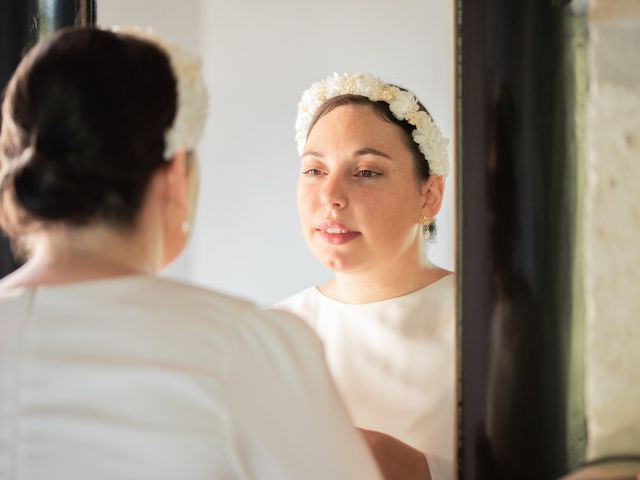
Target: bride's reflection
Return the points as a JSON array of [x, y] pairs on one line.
[[257, 63], [387, 314], [371, 182]]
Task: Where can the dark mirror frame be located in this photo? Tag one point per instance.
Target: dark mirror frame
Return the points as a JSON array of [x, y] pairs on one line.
[[521, 95]]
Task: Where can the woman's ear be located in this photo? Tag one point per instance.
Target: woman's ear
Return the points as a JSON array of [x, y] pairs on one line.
[[176, 182], [170, 204], [432, 191]]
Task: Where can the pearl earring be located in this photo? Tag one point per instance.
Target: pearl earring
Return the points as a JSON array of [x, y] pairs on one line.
[[186, 227]]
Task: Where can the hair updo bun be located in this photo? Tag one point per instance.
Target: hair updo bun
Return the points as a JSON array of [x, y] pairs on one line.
[[47, 189], [84, 120]]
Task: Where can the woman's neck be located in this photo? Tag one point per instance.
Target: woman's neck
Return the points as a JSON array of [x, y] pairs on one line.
[[382, 283], [65, 255]]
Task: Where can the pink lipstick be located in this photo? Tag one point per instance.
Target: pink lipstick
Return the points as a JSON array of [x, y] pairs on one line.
[[336, 233]]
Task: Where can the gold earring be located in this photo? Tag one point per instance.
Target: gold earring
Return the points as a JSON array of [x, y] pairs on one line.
[[426, 221]]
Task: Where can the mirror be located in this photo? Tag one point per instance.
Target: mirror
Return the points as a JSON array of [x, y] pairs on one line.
[[247, 239], [258, 59]]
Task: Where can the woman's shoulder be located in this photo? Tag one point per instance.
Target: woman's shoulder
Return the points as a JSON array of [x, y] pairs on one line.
[[136, 301], [204, 326], [303, 304], [248, 321], [195, 298], [441, 292], [445, 283]]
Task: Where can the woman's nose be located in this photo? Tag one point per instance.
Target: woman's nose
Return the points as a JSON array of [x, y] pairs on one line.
[[333, 193]]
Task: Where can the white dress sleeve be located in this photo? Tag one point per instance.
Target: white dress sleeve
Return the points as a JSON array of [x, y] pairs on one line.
[[288, 419]]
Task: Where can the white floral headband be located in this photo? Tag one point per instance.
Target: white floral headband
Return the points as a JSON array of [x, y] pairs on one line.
[[191, 112], [403, 106]]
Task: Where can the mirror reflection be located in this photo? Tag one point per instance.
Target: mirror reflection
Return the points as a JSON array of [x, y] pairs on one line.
[[257, 63], [350, 228]]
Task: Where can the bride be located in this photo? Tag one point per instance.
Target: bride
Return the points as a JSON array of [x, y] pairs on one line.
[[372, 171], [106, 370]]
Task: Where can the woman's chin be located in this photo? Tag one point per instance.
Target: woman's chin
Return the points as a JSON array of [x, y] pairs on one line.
[[340, 259], [339, 264]]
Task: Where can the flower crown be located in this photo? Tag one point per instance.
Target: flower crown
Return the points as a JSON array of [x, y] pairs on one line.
[[191, 111], [403, 106]]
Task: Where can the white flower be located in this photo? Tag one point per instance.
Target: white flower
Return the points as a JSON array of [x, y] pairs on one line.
[[403, 106], [192, 101], [368, 86], [421, 120]]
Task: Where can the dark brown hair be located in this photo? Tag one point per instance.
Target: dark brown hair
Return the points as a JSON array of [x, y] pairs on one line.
[[382, 110], [84, 118]]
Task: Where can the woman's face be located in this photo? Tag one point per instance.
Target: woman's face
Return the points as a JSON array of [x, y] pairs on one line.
[[359, 199]]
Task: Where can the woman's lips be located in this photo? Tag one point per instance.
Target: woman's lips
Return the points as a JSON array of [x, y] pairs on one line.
[[336, 233]]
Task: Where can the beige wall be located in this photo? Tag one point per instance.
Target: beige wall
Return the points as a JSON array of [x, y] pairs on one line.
[[612, 235]]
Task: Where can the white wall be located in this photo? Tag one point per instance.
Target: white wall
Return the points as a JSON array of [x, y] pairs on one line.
[[259, 57]]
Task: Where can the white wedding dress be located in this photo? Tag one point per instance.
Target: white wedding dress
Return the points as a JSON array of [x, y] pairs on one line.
[[394, 363], [145, 378]]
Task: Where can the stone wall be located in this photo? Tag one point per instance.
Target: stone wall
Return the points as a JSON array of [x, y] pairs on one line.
[[612, 230]]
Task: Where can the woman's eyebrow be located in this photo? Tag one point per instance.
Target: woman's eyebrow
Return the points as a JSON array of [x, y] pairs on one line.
[[370, 151], [311, 153]]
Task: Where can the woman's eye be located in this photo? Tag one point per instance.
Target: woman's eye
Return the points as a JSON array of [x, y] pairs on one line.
[[368, 173], [312, 172]]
